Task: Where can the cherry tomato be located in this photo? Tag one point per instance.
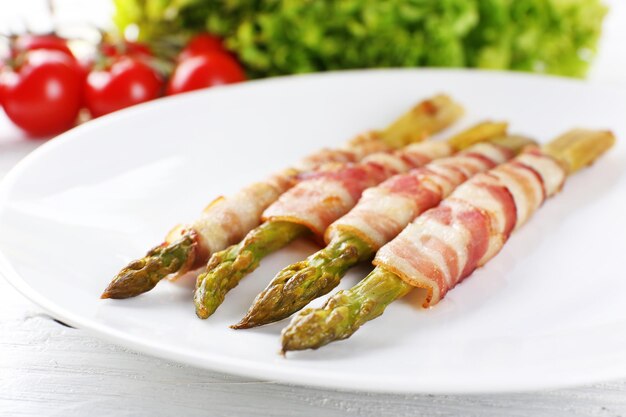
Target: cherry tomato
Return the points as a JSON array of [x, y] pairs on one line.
[[126, 82], [43, 96], [201, 44], [203, 71], [28, 42]]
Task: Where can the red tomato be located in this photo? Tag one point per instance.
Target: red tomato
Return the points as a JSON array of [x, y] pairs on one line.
[[29, 42], [203, 71], [43, 96], [115, 50], [201, 44], [126, 82]]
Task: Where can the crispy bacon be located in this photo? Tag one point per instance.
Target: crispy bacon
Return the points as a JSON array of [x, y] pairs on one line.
[[385, 210], [361, 146], [322, 197], [447, 243]]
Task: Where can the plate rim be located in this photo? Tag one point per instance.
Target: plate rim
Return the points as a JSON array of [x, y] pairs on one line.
[[266, 371]]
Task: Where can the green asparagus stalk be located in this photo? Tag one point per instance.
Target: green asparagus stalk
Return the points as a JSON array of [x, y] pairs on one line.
[[143, 274], [226, 268], [344, 312], [299, 283]]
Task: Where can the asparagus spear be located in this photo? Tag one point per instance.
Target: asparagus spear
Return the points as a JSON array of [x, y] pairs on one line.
[[226, 278], [343, 313], [143, 274], [296, 285], [429, 116], [226, 268]]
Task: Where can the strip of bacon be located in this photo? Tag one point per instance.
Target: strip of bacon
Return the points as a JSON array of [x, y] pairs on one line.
[[447, 243], [323, 197], [385, 210]]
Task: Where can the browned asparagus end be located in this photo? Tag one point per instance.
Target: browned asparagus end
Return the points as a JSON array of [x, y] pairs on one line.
[[579, 148], [480, 132], [516, 143], [427, 117]]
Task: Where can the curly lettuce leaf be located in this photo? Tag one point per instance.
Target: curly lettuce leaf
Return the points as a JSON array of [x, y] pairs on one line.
[[273, 37]]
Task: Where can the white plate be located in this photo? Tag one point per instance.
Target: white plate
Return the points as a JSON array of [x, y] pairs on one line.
[[549, 311]]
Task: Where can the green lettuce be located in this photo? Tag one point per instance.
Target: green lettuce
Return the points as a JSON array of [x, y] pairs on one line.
[[274, 37]]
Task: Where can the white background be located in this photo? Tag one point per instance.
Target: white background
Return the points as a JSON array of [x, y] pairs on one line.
[[49, 369]]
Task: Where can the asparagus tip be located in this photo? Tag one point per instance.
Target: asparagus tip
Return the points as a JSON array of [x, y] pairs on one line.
[[298, 284], [312, 329], [265, 309], [210, 290], [144, 274], [243, 324], [227, 268], [202, 314], [201, 311], [132, 280]]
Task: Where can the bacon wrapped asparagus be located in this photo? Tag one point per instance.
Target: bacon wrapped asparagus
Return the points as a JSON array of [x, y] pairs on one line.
[[379, 216], [447, 243], [312, 205], [227, 219]]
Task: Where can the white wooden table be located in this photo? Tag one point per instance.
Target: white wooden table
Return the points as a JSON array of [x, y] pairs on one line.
[[48, 369]]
